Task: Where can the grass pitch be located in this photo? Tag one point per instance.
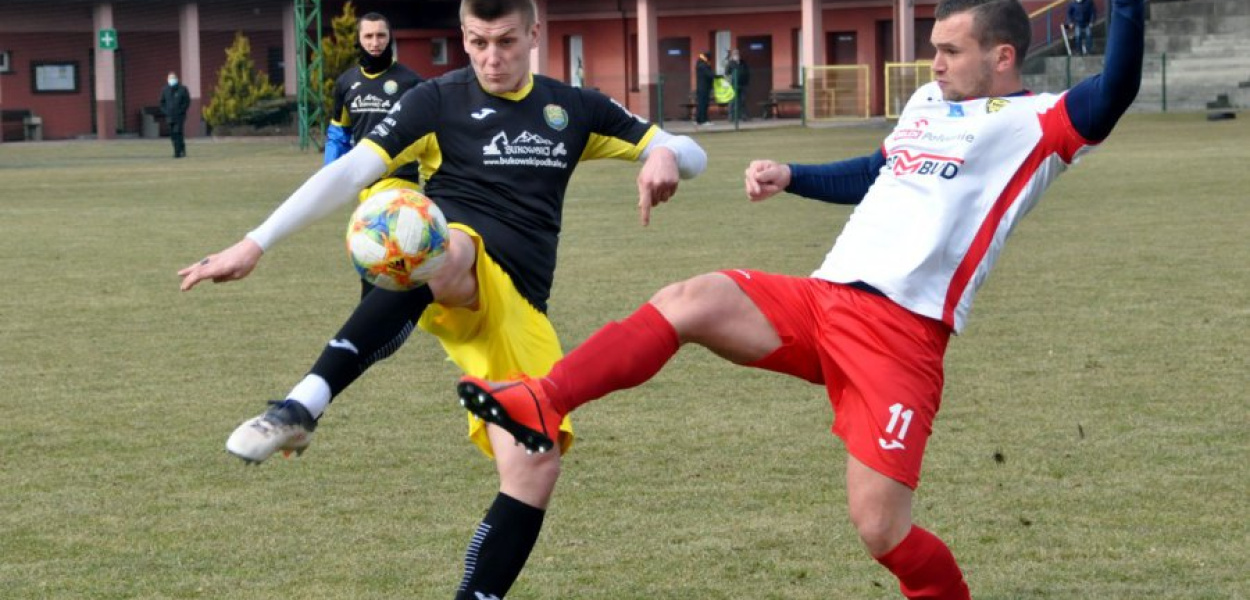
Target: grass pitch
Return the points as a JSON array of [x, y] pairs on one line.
[[1093, 442]]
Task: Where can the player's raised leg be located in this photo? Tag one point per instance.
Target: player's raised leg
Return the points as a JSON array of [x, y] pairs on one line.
[[710, 310]]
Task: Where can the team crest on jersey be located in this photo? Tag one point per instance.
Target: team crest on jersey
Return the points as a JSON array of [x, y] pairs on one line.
[[390, 87], [557, 118], [994, 105]]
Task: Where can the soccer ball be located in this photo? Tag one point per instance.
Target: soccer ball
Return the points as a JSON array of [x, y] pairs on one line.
[[397, 239]]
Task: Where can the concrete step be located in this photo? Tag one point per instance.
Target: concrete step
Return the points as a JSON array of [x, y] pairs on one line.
[[1207, 8]]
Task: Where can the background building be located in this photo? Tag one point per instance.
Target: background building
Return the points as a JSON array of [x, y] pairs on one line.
[[90, 68]]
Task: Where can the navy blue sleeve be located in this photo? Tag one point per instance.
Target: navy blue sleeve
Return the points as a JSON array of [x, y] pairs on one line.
[[1097, 103], [842, 182]]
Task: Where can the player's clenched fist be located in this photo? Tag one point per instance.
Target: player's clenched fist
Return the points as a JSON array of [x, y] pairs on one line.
[[765, 178]]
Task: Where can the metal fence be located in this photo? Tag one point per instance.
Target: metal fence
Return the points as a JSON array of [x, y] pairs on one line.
[[838, 92], [901, 81]]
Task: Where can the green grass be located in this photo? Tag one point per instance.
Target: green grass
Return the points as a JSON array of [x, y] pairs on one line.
[[1105, 361]]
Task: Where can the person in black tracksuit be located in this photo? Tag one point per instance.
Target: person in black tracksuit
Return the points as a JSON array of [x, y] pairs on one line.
[[175, 100]]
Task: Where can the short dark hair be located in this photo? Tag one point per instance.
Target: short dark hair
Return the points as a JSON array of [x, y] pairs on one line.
[[490, 10], [373, 16], [994, 21]]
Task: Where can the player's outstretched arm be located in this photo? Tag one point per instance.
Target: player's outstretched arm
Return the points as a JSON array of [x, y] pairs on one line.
[[331, 187], [1097, 103], [840, 182], [667, 159]]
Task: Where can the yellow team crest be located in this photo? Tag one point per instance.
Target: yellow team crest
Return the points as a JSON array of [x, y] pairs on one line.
[[557, 118], [994, 105]]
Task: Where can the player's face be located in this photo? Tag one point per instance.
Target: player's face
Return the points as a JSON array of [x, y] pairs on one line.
[[963, 68], [374, 36], [500, 51]]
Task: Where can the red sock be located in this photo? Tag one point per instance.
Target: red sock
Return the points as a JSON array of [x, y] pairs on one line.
[[925, 568], [621, 355]]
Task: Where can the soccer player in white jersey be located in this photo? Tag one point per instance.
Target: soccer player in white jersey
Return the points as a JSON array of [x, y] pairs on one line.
[[971, 154]]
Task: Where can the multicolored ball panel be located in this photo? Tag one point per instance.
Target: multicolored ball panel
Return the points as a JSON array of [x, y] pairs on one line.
[[397, 239]]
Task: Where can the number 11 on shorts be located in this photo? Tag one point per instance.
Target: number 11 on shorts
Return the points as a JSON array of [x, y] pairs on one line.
[[900, 417]]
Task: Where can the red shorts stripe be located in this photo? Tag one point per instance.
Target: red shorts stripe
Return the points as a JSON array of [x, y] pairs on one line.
[[880, 363]]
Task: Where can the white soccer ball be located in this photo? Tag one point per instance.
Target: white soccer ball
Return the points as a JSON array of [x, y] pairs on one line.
[[397, 239]]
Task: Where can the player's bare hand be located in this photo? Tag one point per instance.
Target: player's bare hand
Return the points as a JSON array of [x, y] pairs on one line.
[[657, 181], [765, 178], [230, 264]]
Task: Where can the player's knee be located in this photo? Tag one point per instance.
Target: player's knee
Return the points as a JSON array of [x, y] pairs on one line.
[[455, 282], [528, 478], [879, 530], [692, 295], [698, 303]]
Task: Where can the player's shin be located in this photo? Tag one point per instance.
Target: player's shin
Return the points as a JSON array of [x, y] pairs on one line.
[[621, 355], [379, 326], [499, 548], [925, 568]]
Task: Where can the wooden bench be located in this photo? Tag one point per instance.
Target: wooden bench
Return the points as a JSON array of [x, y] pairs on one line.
[[784, 102], [13, 124], [713, 109]]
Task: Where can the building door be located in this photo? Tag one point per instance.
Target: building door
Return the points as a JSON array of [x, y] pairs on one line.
[[676, 67], [119, 89], [842, 48], [757, 51], [885, 54]]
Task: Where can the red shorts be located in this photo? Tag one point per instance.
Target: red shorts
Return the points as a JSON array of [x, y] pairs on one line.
[[881, 364]]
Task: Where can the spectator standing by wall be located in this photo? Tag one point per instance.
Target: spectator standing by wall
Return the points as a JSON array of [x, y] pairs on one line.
[[175, 100], [739, 75], [703, 76]]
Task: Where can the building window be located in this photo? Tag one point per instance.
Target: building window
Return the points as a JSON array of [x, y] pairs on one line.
[[55, 77], [6, 62], [438, 51]]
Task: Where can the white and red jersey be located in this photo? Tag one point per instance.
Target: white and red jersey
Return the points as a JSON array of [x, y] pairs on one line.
[[958, 178]]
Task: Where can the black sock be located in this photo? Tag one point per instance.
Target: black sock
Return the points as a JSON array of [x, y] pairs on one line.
[[499, 548], [377, 328]]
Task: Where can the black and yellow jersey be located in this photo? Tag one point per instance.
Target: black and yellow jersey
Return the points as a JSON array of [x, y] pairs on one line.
[[501, 163], [362, 100]]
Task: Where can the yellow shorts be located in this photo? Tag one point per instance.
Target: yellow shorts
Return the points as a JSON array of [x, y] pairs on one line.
[[387, 183], [504, 337]]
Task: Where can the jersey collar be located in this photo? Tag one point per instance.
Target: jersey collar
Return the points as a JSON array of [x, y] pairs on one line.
[[521, 93]]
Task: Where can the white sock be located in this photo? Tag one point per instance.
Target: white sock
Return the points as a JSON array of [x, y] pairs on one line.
[[314, 393]]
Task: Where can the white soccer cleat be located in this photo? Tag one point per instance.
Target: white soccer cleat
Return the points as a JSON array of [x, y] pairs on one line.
[[287, 426]]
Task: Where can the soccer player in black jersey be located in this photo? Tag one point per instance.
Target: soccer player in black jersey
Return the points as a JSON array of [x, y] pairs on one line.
[[497, 145], [365, 93]]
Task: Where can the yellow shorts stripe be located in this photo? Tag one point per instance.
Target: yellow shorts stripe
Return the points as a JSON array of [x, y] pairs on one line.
[[386, 183]]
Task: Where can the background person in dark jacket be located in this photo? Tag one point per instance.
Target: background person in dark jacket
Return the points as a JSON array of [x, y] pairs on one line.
[[703, 76], [1080, 19], [175, 100], [739, 75]]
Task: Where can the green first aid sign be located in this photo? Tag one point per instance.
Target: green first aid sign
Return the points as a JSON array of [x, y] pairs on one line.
[[108, 39]]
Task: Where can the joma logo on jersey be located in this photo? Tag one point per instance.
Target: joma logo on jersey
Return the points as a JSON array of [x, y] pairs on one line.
[[903, 163]]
